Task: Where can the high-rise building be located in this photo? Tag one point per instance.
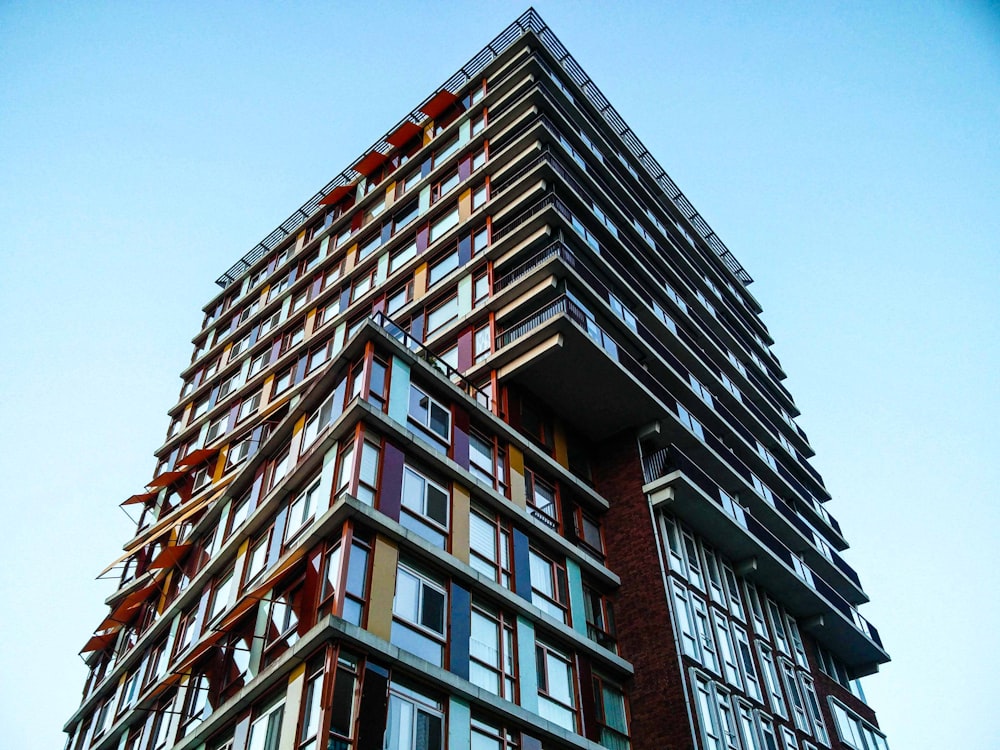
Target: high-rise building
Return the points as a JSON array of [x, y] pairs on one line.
[[484, 447]]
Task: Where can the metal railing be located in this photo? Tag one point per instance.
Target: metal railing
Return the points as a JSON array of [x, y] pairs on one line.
[[422, 352], [528, 22]]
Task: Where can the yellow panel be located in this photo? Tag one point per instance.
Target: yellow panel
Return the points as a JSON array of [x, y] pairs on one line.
[[465, 205], [420, 281], [559, 437], [310, 320], [268, 389], [428, 132], [220, 466], [516, 458], [390, 194], [460, 522], [383, 587], [293, 705], [351, 257]]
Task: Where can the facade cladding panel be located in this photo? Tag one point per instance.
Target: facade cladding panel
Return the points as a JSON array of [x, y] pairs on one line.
[[484, 447]]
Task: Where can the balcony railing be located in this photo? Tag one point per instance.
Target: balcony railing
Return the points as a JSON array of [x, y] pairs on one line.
[[422, 352], [666, 460], [653, 340]]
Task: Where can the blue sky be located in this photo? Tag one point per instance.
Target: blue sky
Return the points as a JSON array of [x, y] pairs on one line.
[[846, 153]]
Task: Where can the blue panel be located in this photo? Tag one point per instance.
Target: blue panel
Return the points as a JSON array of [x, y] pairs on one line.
[[399, 391], [577, 609], [526, 669], [460, 631], [522, 566]]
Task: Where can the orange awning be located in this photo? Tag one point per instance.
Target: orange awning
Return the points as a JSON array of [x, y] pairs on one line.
[[438, 103], [98, 641], [166, 478], [138, 596], [171, 679], [196, 457], [336, 194], [169, 556], [142, 497], [402, 135], [370, 163]]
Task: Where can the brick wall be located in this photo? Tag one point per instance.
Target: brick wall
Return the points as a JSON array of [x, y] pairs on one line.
[[659, 719]]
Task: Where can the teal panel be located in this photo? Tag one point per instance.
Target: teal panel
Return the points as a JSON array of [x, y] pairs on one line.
[[465, 295], [528, 675], [459, 724], [577, 608], [399, 391]]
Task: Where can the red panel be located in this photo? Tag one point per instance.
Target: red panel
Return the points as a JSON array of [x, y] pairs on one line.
[[166, 478], [141, 498], [196, 457], [438, 103], [402, 135], [370, 163], [336, 194]]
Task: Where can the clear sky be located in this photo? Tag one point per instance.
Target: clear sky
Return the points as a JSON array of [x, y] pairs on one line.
[[846, 153]]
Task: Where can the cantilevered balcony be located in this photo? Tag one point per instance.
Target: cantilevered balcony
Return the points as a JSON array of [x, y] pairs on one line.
[[676, 484]]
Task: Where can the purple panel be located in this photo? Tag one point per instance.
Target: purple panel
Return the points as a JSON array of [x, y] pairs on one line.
[[465, 168], [423, 237], [391, 492], [591, 728], [465, 350], [460, 437]]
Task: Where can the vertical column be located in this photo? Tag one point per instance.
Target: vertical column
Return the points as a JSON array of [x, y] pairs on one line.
[[522, 566], [383, 587], [526, 669], [465, 295], [460, 630], [373, 706], [516, 460], [459, 724], [561, 449], [577, 607], [391, 490], [460, 508], [399, 391], [293, 706]]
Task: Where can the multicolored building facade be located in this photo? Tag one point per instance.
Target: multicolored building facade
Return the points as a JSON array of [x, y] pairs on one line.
[[484, 448]]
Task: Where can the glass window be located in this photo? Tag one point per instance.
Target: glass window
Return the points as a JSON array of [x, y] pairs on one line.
[[415, 721], [265, 731], [419, 614], [443, 224], [611, 714], [399, 258], [491, 651], [302, 508], [548, 586], [425, 507], [442, 267], [489, 542], [443, 313], [220, 596], [556, 694], [429, 414], [541, 497]]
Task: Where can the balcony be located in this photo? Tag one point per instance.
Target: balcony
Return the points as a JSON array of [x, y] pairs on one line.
[[592, 375], [676, 484]]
